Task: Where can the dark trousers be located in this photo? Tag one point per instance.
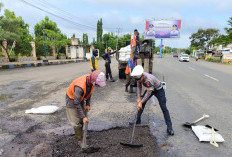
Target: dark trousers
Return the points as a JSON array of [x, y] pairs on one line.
[[108, 70], [129, 80], [160, 95]]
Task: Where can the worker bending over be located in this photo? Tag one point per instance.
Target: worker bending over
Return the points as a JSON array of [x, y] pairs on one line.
[[153, 87], [80, 90]]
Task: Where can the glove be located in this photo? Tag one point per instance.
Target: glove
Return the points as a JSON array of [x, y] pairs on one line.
[[164, 85]]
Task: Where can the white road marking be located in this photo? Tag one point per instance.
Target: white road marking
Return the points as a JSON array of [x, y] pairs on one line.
[[192, 68], [211, 77]]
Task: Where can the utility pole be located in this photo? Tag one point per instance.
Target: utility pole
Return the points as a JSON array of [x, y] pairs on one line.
[[85, 45], [45, 51], [118, 30]]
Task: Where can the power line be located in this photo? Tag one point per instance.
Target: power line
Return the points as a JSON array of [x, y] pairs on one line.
[[45, 3], [67, 20]]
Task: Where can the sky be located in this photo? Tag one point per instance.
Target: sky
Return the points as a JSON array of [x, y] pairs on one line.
[[125, 15]]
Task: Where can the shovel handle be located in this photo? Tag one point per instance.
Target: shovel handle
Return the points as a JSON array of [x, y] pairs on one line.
[[213, 142], [203, 117]]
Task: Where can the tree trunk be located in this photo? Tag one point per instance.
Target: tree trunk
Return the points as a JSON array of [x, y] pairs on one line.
[[5, 50]]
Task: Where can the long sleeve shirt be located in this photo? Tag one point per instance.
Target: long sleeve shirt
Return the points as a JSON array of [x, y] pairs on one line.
[[150, 83], [78, 93], [107, 57]]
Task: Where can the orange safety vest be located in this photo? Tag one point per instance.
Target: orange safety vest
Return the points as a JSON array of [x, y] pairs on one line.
[[127, 71], [133, 40], [80, 82]]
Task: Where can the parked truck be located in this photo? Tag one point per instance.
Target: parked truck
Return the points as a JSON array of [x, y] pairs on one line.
[[145, 57]]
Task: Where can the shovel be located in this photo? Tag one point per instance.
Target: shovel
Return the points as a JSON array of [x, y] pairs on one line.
[[131, 144], [213, 142], [189, 125], [84, 147]]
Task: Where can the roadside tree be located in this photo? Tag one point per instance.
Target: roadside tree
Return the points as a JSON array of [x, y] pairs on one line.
[[202, 38], [53, 37], [12, 29]]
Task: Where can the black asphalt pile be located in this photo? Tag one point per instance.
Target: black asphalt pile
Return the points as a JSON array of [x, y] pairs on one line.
[[109, 143]]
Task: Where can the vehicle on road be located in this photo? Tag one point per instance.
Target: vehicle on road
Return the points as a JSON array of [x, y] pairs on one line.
[[145, 53], [184, 57], [175, 54]]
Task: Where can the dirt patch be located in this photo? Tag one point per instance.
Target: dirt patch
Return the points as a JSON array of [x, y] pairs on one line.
[[109, 143], [4, 97], [58, 140]]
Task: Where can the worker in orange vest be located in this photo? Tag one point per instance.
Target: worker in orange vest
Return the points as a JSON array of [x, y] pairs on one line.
[[132, 62], [133, 41], [80, 90]]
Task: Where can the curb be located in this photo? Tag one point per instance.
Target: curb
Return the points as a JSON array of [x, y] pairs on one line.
[[13, 66]]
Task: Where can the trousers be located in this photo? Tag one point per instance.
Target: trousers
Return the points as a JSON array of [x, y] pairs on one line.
[[160, 95], [108, 70]]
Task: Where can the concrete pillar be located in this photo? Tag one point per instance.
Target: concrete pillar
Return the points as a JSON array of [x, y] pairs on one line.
[[66, 51], [54, 51], [4, 49], [33, 51]]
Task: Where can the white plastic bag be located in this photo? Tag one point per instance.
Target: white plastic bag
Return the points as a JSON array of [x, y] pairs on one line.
[[205, 134], [43, 110]]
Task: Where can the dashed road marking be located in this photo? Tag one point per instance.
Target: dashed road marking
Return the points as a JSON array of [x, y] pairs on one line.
[[211, 77], [192, 68]]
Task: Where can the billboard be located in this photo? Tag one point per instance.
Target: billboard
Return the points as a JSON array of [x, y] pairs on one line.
[[162, 29]]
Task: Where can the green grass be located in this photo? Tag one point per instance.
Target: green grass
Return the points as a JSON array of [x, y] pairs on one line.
[[217, 60]]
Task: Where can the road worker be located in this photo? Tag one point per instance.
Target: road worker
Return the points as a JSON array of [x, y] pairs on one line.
[[132, 62], [152, 87], [93, 61], [80, 90], [107, 59]]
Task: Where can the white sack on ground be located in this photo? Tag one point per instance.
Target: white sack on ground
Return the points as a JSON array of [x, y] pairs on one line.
[[43, 110], [205, 134]]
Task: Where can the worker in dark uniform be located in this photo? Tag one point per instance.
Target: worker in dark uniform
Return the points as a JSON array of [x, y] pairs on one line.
[[107, 59], [152, 87], [132, 62], [80, 90], [93, 61]]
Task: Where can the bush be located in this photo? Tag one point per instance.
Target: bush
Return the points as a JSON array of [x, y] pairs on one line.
[[218, 60]]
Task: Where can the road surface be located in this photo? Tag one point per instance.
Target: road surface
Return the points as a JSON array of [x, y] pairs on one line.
[[193, 89]]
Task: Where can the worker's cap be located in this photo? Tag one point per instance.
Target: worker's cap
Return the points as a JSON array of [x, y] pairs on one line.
[[101, 81], [109, 48], [137, 72], [98, 77], [151, 25]]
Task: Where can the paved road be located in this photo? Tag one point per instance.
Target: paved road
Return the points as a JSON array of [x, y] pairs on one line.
[[193, 89]]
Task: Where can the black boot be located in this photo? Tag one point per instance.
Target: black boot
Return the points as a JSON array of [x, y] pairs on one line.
[[131, 89], [170, 131], [107, 77], [126, 88], [112, 80], [138, 121]]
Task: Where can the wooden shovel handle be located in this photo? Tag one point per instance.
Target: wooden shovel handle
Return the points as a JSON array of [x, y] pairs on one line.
[[204, 116]]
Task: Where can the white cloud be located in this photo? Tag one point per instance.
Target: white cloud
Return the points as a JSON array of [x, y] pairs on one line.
[[136, 20]]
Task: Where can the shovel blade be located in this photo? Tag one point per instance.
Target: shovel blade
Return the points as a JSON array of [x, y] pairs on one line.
[[132, 145], [188, 125]]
